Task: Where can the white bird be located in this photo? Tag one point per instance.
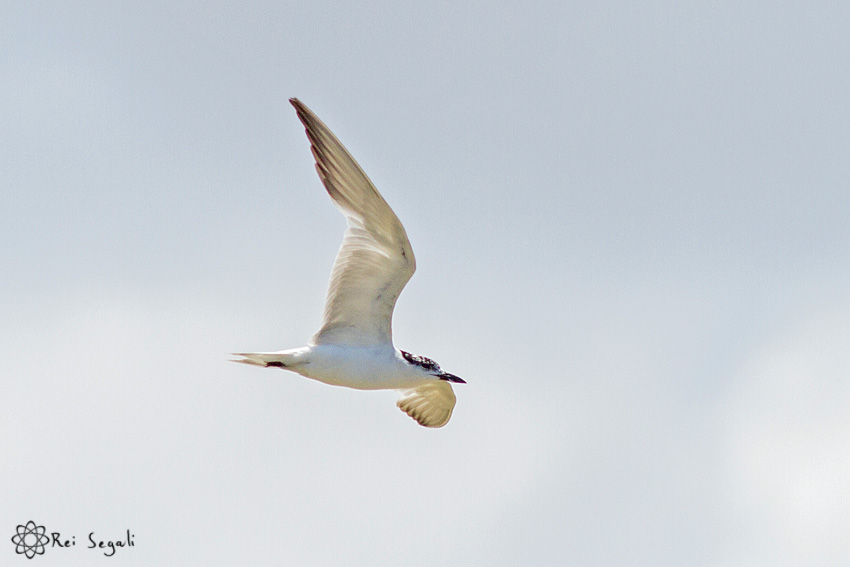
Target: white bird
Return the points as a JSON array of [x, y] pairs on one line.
[[354, 346]]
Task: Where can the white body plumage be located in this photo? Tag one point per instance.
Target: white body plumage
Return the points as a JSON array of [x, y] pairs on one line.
[[354, 347]]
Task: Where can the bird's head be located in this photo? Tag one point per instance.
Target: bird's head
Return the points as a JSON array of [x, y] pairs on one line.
[[431, 367]]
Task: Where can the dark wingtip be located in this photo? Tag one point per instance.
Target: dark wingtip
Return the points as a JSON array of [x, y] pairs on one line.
[[299, 106], [300, 109], [306, 116]]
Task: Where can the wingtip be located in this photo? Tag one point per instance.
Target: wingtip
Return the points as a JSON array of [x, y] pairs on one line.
[[299, 106], [306, 116]]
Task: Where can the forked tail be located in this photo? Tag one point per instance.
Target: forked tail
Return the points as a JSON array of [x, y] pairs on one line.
[[266, 359]]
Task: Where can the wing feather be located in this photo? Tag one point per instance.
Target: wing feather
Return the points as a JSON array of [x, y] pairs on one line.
[[375, 260], [430, 404]]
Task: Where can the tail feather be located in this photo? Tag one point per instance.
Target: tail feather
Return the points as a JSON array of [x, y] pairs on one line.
[[265, 359]]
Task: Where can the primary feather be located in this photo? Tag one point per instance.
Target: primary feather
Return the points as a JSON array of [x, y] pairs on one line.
[[375, 260]]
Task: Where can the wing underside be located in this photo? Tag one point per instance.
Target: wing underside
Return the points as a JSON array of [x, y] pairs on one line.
[[430, 404], [375, 260]]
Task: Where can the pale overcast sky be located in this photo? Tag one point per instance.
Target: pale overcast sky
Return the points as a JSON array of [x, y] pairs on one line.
[[631, 228]]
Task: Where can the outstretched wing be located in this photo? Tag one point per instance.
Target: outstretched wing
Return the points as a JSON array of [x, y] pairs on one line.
[[375, 260], [430, 404]]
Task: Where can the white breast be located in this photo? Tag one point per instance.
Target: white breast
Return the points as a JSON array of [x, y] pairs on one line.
[[364, 368]]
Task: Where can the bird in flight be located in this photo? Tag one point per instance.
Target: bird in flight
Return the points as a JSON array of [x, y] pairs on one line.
[[354, 346]]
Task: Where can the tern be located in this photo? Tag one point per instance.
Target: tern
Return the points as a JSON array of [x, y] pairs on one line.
[[354, 346]]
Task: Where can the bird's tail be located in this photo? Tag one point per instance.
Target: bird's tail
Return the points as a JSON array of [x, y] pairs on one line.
[[279, 359]]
